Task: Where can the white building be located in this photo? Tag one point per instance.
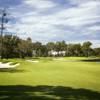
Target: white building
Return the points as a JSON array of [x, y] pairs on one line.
[[55, 53], [34, 53]]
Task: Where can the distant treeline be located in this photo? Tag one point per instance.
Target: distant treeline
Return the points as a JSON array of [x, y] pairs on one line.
[[14, 47]]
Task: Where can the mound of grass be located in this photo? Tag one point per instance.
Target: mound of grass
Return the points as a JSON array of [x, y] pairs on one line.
[[5, 61], [35, 58], [14, 63]]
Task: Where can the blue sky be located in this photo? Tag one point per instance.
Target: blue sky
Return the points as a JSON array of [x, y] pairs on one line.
[[55, 20]]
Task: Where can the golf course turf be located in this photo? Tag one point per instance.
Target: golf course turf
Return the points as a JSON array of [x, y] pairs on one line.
[[65, 78]]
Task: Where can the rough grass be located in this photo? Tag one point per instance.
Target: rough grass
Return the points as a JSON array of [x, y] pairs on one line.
[[51, 80]]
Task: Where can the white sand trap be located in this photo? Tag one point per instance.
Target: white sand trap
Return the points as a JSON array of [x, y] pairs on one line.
[[58, 59], [7, 65], [35, 61]]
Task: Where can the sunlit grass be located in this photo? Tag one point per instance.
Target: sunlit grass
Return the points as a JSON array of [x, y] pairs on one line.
[[56, 73]]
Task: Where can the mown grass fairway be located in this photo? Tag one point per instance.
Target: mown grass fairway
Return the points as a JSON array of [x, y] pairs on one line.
[[51, 79]]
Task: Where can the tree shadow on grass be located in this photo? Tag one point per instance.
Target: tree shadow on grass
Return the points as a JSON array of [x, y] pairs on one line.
[[21, 92], [11, 70], [91, 60]]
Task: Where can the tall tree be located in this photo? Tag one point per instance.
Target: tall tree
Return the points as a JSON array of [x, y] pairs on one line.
[[87, 48], [25, 48], [50, 46], [97, 52], [10, 46]]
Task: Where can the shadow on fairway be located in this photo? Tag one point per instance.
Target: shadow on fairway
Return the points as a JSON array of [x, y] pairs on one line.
[[20, 92], [91, 60], [9, 70]]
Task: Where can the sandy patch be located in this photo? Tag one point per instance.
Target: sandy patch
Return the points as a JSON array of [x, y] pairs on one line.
[[64, 60], [7, 65], [35, 61], [58, 59]]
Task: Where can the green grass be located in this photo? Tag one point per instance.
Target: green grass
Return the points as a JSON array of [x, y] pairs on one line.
[[51, 80]]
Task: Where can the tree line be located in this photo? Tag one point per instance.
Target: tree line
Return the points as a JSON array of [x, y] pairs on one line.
[[15, 47]]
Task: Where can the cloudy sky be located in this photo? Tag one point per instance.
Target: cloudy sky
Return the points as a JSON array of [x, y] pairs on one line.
[[55, 20]]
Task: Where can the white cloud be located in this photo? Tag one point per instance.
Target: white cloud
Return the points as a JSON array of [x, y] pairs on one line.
[[95, 28], [40, 4], [42, 27]]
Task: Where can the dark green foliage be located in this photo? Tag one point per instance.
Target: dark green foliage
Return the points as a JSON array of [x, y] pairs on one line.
[[97, 52], [10, 46], [14, 47]]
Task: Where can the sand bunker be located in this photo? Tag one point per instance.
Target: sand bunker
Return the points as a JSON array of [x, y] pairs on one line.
[[7, 65], [64, 60], [58, 59], [33, 61]]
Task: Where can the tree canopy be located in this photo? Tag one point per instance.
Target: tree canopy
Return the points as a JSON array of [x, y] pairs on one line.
[[15, 47]]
